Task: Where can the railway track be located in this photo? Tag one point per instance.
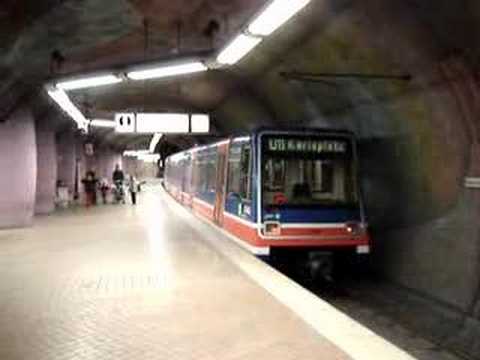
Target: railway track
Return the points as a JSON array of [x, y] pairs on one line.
[[384, 309]]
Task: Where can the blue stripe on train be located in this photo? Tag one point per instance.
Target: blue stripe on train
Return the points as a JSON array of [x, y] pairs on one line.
[[314, 215], [246, 211], [208, 196]]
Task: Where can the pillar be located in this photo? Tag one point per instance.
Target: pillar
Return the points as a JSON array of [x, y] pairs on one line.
[[66, 159], [18, 167], [46, 170]]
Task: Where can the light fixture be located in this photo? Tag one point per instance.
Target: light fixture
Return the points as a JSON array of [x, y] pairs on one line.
[[103, 123], [237, 49], [154, 142], [87, 82], [150, 123], [167, 71], [200, 123], [62, 99], [275, 15], [135, 153]]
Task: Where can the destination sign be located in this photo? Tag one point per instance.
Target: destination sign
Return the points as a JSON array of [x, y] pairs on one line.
[[316, 146]]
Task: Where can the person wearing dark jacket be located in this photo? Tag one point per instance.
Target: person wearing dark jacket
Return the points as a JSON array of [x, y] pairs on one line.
[[90, 185], [118, 175]]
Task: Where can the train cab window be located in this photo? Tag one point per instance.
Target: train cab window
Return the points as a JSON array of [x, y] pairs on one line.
[[275, 171], [323, 176], [296, 173], [239, 165], [307, 182]]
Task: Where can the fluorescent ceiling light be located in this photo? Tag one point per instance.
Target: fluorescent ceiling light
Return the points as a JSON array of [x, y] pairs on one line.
[[154, 142], [162, 123], [275, 15], [103, 123], [62, 99], [237, 49], [167, 70], [200, 123], [135, 153], [88, 82]]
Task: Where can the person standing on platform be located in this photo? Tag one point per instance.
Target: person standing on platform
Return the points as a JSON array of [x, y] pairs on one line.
[[104, 188], [133, 188], [118, 175], [118, 184], [90, 185]]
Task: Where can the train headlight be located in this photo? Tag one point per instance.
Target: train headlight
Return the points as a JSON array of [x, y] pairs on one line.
[[272, 228], [355, 228]]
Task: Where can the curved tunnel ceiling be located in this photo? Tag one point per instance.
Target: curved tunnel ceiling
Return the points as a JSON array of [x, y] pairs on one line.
[[334, 37]]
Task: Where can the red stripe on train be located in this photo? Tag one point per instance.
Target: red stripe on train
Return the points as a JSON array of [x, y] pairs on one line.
[[242, 231], [320, 242], [315, 232], [202, 209]]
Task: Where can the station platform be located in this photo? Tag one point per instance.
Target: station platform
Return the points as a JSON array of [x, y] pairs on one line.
[[155, 282]]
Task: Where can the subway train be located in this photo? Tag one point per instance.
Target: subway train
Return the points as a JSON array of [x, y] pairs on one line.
[[278, 193]]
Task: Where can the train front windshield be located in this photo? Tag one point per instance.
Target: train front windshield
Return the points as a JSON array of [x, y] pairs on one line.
[[301, 171]]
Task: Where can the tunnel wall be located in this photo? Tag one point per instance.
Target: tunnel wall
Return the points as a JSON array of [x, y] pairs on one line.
[[418, 142], [419, 208], [424, 220], [18, 161], [46, 170]]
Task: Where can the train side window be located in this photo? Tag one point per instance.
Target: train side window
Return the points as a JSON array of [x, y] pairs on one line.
[[211, 171], [201, 181], [245, 180], [194, 175], [239, 170]]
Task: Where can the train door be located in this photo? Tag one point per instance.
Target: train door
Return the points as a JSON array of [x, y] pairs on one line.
[[220, 184]]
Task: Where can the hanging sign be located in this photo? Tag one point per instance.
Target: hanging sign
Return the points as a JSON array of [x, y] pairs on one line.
[[472, 182], [89, 149]]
